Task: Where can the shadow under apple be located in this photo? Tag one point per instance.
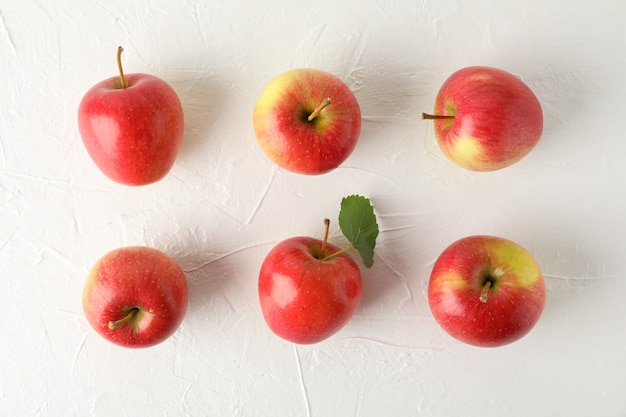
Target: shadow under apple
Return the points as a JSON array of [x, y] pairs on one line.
[[392, 285], [201, 98], [206, 279]]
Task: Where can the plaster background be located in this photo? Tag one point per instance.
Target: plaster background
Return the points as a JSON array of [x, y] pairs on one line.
[[224, 205]]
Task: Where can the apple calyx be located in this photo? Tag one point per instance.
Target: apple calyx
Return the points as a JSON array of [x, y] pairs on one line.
[[132, 318], [316, 112], [427, 116], [122, 81]]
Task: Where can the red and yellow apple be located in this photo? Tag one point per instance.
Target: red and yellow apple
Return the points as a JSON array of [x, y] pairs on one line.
[[486, 291], [132, 127], [135, 296], [307, 121], [486, 118]]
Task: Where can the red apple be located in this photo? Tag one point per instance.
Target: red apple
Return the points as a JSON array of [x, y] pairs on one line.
[[307, 121], [486, 291], [486, 119], [132, 126], [135, 296], [308, 288], [304, 298]]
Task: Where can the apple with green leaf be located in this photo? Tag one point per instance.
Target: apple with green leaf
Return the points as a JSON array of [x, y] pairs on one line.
[[486, 291], [132, 127], [135, 296], [309, 288], [307, 121], [486, 118]]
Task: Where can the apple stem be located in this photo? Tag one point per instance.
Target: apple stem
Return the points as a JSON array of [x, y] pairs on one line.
[[119, 66], [485, 292], [326, 227], [319, 108], [436, 116], [325, 241], [339, 252], [124, 320]]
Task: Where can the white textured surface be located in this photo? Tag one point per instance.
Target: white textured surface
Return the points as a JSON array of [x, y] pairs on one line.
[[224, 205]]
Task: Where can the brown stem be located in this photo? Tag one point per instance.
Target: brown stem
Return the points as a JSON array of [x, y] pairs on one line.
[[124, 320], [119, 66], [326, 227], [485, 292], [319, 108], [435, 116], [323, 249]]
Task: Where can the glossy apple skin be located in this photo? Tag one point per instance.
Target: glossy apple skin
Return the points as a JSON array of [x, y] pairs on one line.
[[132, 134], [515, 300], [304, 299], [131, 277], [498, 119], [289, 139]]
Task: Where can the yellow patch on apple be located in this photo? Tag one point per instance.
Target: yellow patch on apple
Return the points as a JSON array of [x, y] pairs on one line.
[[482, 77], [467, 152], [452, 281], [520, 262], [272, 93]]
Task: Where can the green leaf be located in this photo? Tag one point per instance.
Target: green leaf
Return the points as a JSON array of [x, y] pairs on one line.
[[358, 224]]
